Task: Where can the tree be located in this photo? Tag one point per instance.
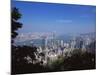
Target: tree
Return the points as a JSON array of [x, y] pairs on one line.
[[15, 25]]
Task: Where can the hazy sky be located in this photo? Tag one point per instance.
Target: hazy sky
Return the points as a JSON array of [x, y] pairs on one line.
[[61, 18]]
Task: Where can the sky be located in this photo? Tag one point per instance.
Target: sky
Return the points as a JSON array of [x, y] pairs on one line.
[[53, 17]]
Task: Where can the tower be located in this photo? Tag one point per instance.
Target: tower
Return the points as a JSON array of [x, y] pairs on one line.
[[62, 43], [53, 40], [73, 43], [44, 42]]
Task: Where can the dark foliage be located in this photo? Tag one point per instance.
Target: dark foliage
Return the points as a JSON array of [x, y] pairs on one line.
[[80, 62], [83, 61], [15, 13], [19, 64], [15, 25]]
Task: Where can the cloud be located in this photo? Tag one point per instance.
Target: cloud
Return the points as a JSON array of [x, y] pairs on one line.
[[84, 16], [64, 21]]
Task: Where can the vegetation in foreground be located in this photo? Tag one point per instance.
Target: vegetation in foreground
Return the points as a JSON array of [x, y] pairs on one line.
[[78, 61]]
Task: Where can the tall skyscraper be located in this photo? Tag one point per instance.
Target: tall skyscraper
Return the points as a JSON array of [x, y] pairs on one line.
[[62, 43], [53, 40], [44, 42], [73, 43]]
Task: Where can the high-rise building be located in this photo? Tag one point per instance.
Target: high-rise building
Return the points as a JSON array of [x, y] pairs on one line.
[[73, 43], [62, 43], [53, 40], [83, 47], [44, 42]]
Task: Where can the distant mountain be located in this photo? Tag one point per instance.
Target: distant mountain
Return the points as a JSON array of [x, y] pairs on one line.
[[92, 34], [25, 39], [36, 42], [65, 38]]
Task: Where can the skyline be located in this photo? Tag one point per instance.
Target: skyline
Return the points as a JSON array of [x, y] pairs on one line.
[[53, 17]]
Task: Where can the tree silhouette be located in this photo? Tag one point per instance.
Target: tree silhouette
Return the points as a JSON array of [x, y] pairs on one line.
[[15, 25], [18, 53]]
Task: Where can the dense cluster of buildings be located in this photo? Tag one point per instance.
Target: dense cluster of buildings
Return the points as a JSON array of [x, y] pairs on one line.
[[52, 48]]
